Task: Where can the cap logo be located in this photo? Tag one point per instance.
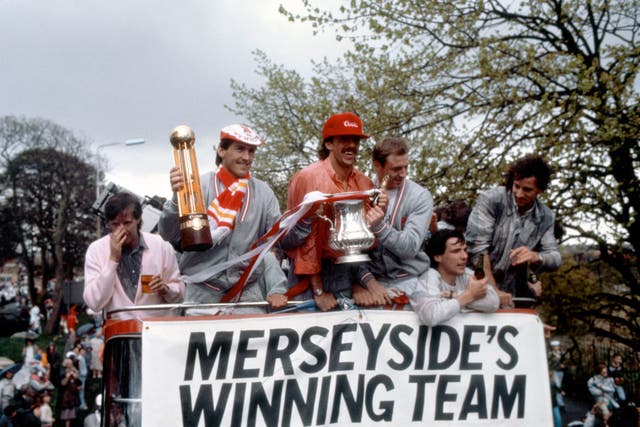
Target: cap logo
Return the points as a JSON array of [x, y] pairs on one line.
[[349, 124]]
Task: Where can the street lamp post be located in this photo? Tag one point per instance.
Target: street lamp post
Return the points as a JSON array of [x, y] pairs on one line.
[[127, 143]]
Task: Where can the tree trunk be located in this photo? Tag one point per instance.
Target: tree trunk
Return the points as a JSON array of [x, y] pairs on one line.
[[58, 253]]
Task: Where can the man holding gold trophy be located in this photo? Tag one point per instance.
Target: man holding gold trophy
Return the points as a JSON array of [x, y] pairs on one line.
[[240, 208]]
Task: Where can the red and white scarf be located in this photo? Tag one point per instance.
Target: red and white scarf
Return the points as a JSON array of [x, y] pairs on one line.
[[223, 209]]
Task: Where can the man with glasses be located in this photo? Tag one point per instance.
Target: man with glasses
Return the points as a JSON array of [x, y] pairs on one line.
[[114, 263]]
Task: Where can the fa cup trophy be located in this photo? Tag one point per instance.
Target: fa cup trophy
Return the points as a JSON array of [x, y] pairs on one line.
[[194, 224], [349, 232]]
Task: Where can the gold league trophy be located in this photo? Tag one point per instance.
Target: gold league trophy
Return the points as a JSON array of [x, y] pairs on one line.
[[194, 224]]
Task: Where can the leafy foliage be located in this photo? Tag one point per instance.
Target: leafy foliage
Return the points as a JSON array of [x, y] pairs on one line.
[[475, 84], [44, 187]]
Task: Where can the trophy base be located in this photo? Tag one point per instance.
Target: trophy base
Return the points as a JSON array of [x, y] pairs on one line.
[[350, 258], [195, 235]]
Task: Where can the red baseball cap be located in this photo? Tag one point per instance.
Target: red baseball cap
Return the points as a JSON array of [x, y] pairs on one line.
[[343, 124], [241, 133]]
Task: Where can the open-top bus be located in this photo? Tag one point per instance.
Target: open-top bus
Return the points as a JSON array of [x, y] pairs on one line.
[[340, 368]]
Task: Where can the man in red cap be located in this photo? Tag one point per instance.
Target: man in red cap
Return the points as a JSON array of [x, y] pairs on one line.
[[241, 209], [335, 172]]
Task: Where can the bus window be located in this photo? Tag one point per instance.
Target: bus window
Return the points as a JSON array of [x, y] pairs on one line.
[[123, 381]]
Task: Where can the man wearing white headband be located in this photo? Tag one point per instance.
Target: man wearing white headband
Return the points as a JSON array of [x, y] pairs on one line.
[[241, 209]]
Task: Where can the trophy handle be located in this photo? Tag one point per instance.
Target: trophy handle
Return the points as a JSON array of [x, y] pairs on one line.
[[332, 227]]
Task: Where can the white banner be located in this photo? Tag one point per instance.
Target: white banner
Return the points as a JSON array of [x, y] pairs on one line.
[[346, 368]]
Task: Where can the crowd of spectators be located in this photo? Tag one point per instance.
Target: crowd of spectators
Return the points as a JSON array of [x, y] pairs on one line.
[[51, 374]]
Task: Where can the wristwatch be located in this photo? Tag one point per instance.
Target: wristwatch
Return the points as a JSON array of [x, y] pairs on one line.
[[318, 292]]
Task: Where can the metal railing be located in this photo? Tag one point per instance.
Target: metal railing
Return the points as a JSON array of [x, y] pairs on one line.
[[181, 309]]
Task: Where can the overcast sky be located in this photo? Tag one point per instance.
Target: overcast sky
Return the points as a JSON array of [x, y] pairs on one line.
[[116, 70]]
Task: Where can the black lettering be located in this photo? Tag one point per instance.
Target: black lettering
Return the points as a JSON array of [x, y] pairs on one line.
[[507, 347], [238, 405], [507, 398], [454, 347], [401, 347], [354, 405], [421, 347], [323, 401], [338, 346], [203, 405], [442, 396], [284, 354], [293, 395], [314, 350], [244, 353], [220, 347], [385, 405], [373, 342], [468, 348], [270, 410], [477, 392], [421, 381]]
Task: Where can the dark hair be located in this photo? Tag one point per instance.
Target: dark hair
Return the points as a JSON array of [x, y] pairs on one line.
[[531, 165], [224, 144], [323, 151], [438, 243], [386, 147], [119, 202], [456, 213], [558, 229]]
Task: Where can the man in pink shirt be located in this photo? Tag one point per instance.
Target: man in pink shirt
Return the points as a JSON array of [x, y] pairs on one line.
[[114, 263]]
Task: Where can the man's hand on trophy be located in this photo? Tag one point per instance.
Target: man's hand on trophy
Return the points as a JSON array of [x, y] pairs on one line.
[[176, 179], [374, 216], [383, 200]]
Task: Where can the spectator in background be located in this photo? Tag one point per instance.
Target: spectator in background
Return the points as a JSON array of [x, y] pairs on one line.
[[72, 319], [34, 319], [602, 389], [7, 390], [8, 414], [96, 344], [54, 364], [454, 216], [616, 371], [93, 419], [69, 392], [46, 414], [83, 372], [555, 358], [555, 391]]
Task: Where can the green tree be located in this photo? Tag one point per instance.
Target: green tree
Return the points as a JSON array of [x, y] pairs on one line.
[[475, 84], [45, 189]]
